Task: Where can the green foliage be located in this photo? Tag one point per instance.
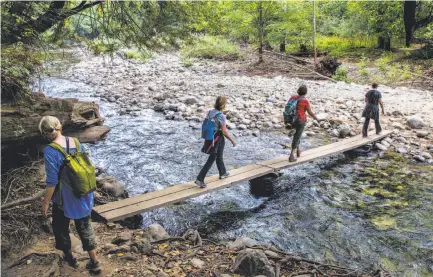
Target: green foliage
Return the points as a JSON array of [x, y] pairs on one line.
[[19, 63], [211, 47], [362, 65], [136, 54], [341, 74]]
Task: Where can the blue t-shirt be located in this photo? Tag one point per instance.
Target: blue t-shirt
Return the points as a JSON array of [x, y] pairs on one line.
[[73, 207]]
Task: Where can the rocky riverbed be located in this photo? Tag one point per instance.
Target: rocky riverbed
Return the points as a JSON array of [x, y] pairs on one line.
[[255, 102]]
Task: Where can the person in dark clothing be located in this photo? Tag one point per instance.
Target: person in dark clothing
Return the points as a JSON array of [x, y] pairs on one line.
[[216, 153], [373, 98], [303, 106]]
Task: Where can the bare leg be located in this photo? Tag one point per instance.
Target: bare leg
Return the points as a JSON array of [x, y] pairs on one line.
[[92, 255]]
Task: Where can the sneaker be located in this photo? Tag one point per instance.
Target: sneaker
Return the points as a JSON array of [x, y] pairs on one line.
[[72, 261], [224, 175], [94, 267], [200, 183]]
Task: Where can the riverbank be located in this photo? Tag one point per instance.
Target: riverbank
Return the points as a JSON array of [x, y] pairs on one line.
[[151, 252], [255, 102]]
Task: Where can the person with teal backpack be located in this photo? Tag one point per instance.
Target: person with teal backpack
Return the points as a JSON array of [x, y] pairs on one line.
[[295, 115], [214, 129], [71, 181]]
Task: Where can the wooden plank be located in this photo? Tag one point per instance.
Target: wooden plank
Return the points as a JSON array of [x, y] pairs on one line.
[[137, 208], [124, 208], [320, 149], [328, 152], [170, 190]]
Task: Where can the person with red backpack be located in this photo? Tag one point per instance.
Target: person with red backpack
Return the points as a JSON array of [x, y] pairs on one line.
[[214, 130], [71, 181], [295, 115]]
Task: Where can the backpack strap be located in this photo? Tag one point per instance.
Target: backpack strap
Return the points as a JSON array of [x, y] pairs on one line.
[[77, 145], [58, 148], [67, 144], [217, 114]]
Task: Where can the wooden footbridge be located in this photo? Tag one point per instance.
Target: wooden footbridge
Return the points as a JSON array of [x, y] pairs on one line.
[[145, 202]]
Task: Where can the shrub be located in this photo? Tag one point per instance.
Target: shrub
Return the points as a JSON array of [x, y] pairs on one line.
[[135, 54], [210, 47], [341, 74], [19, 63]]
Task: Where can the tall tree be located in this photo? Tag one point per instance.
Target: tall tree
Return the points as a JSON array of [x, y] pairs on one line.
[[413, 9]]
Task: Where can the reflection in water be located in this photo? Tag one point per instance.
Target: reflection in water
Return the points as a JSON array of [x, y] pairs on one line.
[[341, 209]]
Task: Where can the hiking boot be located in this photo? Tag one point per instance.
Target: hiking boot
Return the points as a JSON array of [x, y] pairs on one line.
[[292, 158], [224, 175], [71, 261], [94, 267], [200, 183]]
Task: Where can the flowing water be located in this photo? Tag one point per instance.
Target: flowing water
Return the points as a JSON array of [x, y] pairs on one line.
[[355, 210]]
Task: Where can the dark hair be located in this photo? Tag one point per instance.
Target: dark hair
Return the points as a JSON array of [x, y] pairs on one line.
[[220, 103], [302, 90], [374, 85]]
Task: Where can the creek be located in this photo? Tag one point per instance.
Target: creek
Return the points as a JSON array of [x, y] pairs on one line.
[[355, 210]]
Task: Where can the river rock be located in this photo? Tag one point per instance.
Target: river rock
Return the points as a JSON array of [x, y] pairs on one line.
[[422, 134], [122, 238], [401, 139], [385, 143], [419, 158], [231, 126], [155, 232], [415, 122], [401, 150], [252, 262], [112, 186], [398, 125], [426, 155], [381, 146], [197, 263], [270, 99], [143, 245], [242, 127], [191, 100], [225, 275], [343, 130], [322, 116], [241, 242]]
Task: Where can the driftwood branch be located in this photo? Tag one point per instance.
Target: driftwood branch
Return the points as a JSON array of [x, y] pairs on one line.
[[23, 201]]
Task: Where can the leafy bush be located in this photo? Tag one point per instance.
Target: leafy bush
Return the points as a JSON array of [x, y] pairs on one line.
[[135, 54], [341, 74], [211, 47], [19, 63]]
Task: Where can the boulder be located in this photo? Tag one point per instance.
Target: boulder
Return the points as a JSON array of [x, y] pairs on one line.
[[381, 147], [398, 125], [91, 135], [426, 155], [401, 150], [191, 100], [241, 242], [322, 116], [112, 186], [415, 122], [143, 245], [343, 130], [231, 126], [242, 127], [252, 262], [419, 158], [155, 232], [422, 134]]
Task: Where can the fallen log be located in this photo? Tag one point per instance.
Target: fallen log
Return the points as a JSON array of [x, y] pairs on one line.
[[23, 201]]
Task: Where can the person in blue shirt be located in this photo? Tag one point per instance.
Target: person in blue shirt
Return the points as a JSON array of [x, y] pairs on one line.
[[66, 205]]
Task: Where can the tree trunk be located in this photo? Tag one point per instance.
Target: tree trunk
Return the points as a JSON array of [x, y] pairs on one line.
[[20, 135], [283, 43], [384, 43], [409, 20], [260, 23]]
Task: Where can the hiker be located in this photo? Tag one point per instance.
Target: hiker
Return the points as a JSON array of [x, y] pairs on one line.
[[296, 117], [214, 130], [66, 205], [373, 98]]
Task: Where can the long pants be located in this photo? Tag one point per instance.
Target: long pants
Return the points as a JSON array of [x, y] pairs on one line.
[[367, 123], [299, 127], [61, 231], [218, 157]]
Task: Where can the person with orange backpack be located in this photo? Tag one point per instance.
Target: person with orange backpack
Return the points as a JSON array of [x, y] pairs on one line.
[[71, 181]]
